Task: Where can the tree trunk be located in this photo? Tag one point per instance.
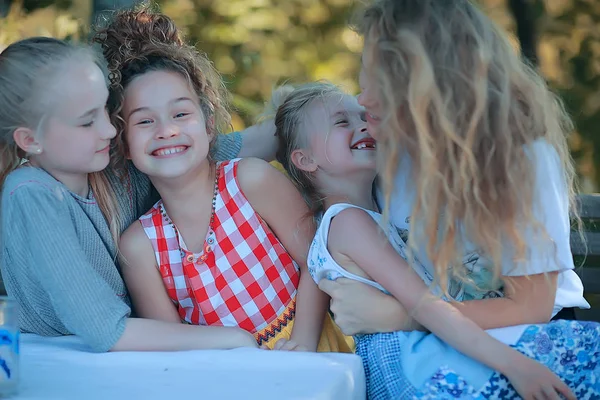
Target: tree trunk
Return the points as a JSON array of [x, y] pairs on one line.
[[525, 20], [4, 8], [103, 8]]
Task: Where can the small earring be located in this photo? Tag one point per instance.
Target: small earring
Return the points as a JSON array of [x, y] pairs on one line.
[[38, 150]]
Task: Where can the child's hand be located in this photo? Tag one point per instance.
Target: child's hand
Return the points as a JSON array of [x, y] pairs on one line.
[[533, 381], [246, 339], [288, 345]]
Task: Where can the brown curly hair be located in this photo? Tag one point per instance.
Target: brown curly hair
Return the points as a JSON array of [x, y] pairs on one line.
[[140, 41]]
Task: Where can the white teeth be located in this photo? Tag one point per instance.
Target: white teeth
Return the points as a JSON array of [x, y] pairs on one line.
[[169, 150], [361, 146]]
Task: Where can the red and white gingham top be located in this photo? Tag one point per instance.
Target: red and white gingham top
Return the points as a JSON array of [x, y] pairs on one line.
[[244, 278]]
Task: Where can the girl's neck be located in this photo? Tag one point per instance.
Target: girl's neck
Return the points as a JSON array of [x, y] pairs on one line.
[[354, 191], [76, 183], [181, 193]]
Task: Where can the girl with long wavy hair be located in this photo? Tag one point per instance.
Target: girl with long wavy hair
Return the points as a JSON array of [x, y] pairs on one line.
[[476, 176]]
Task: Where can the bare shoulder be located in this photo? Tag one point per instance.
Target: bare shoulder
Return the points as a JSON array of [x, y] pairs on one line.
[[134, 244], [252, 168], [349, 220], [257, 175], [352, 229]]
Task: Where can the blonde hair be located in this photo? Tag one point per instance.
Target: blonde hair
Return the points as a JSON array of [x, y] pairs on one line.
[[140, 41], [459, 101], [288, 107], [28, 70]]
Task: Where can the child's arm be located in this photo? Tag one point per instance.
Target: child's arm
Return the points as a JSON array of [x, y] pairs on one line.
[[527, 300], [151, 301], [361, 309], [255, 141], [142, 277], [259, 141], [81, 298], [41, 227], [141, 334], [530, 290], [531, 284], [354, 234], [278, 202]]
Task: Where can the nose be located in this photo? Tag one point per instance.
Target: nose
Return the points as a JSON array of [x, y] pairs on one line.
[[108, 130], [361, 98], [167, 131], [362, 126]]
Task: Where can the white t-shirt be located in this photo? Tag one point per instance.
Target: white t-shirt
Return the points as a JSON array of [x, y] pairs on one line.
[[550, 207]]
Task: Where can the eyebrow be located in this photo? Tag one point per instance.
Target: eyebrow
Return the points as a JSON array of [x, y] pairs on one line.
[[93, 111], [177, 100], [88, 113], [341, 113]]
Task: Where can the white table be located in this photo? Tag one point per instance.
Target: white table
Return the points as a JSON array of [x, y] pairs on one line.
[[63, 369]]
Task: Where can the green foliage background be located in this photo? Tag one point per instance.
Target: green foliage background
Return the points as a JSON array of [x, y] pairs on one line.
[[256, 44]]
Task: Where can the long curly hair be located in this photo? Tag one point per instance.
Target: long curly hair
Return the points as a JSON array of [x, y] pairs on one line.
[[463, 105], [139, 41]]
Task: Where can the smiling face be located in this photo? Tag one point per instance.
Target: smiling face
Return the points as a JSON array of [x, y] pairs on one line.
[[76, 134], [369, 99], [337, 135], [165, 126]]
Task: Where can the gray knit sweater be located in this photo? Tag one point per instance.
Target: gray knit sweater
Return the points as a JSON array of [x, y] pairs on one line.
[[58, 256]]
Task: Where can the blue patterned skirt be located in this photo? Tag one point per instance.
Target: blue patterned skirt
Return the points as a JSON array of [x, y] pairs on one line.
[[417, 365]]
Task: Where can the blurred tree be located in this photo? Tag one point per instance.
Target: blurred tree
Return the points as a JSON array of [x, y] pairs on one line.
[[102, 8], [31, 5], [526, 26], [570, 43], [259, 43], [256, 44], [4, 7]]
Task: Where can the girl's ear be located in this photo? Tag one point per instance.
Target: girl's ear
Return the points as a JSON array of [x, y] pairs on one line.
[[26, 140], [211, 132], [303, 161]]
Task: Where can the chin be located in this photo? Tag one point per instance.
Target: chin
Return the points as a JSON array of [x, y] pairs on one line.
[[98, 166], [168, 173]]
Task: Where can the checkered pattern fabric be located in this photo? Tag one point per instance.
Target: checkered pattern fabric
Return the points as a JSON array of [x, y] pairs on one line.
[[244, 277]]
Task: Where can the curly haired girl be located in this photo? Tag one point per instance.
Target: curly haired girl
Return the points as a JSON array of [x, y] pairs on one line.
[[225, 247]]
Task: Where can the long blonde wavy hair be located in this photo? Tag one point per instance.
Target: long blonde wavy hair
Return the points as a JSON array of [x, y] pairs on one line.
[[457, 98]]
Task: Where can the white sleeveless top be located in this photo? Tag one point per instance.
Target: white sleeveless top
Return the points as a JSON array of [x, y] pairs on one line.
[[551, 207], [321, 264]]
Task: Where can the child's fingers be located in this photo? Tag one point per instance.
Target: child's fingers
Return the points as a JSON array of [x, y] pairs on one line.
[[285, 345], [290, 346], [279, 344], [563, 389], [548, 393], [298, 347], [328, 286]]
